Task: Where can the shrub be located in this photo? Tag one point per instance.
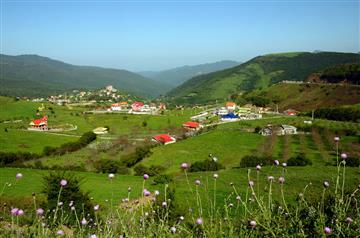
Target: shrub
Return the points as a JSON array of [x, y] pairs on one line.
[[152, 170], [206, 165], [353, 162], [162, 179], [134, 158], [253, 160], [299, 160], [111, 166]]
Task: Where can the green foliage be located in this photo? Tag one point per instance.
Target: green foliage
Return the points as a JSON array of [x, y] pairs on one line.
[[162, 179], [259, 101], [353, 162], [139, 154], [206, 165], [8, 158], [338, 114], [299, 160], [111, 166], [253, 160], [152, 170], [339, 73], [71, 192]]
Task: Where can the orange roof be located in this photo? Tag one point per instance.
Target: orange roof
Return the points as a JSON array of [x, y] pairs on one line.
[[230, 104], [164, 138], [124, 103], [40, 121], [191, 124]]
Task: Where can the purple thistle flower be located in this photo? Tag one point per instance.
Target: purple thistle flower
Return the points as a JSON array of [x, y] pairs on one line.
[[60, 232], [20, 212], [336, 139], [199, 221], [111, 176], [282, 180], [197, 182], [63, 183], [216, 176], [284, 165], [326, 184], [251, 183], [146, 176], [96, 207], [258, 167], [19, 176], [252, 223], [164, 204], [343, 156], [93, 236], [270, 178], [173, 229], [276, 162], [14, 211], [349, 220], [184, 166], [146, 192], [40, 211], [84, 222], [327, 230]]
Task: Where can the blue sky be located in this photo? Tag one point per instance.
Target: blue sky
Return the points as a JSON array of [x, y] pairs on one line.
[[155, 35]]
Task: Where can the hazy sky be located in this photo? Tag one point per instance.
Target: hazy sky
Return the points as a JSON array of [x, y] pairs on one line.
[[153, 35]]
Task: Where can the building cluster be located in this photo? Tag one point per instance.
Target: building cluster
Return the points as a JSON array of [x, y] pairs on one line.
[[278, 130], [137, 107]]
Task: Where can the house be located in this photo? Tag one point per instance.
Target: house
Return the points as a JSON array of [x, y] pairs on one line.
[[267, 131], [39, 124], [162, 106], [164, 139], [230, 117], [289, 130], [124, 105], [222, 111], [291, 112], [230, 106], [191, 125], [137, 106], [115, 107], [278, 130], [101, 130]]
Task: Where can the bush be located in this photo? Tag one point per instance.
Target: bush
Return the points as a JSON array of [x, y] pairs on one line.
[[152, 170], [7, 158], [162, 179], [111, 166], [299, 160], [253, 160], [353, 162], [206, 165], [134, 158], [71, 192]]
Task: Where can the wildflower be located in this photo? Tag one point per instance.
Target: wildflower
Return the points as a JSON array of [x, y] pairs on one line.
[[282, 180], [60, 204], [199, 221], [197, 182], [336, 139], [129, 189], [252, 223], [327, 230], [251, 183], [14, 211], [326, 184], [39, 211], [83, 221], [284, 165], [20, 212], [238, 198], [146, 176], [231, 205], [146, 214], [71, 203], [156, 192], [276, 162], [111, 176], [96, 207], [271, 178], [348, 220], [19, 176], [184, 166], [343, 156], [231, 184], [93, 236], [173, 229], [60, 232], [258, 167], [164, 204], [146, 192], [63, 183], [181, 218], [72, 208], [215, 176]]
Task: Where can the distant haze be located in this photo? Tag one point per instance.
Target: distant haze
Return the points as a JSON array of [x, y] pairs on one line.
[[155, 35]]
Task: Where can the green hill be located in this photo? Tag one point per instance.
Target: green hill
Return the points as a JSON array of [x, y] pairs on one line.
[[308, 96], [258, 73], [344, 73], [177, 76], [32, 75]]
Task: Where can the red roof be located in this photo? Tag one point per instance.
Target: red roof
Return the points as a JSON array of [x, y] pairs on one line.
[[191, 124], [138, 104], [39, 121], [164, 138]]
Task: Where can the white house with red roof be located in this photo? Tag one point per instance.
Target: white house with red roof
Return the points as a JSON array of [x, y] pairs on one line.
[[164, 139], [39, 124], [137, 106], [230, 106], [191, 125]]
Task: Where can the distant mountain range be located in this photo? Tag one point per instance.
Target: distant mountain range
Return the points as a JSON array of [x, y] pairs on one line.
[[258, 73], [177, 76], [33, 75]]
